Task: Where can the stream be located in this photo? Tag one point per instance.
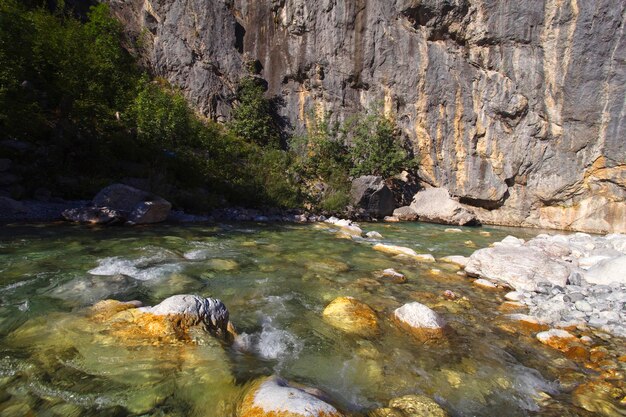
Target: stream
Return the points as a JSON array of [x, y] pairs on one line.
[[276, 280]]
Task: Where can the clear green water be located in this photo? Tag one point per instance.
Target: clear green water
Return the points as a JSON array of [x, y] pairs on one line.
[[275, 280]]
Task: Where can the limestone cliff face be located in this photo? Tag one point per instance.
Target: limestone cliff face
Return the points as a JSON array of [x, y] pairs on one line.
[[517, 108]]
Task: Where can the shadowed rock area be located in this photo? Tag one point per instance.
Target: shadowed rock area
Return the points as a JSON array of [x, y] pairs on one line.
[[514, 108]]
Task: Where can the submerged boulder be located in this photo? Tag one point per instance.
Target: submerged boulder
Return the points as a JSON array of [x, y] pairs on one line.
[[370, 192], [435, 205], [276, 397], [121, 203], [417, 406], [351, 316], [403, 251]]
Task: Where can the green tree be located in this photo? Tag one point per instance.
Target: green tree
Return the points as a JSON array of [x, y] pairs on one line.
[[162, 116], [375, 147], [252, 118]]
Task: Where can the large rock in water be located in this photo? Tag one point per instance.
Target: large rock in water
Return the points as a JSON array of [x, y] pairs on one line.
[[174, 319], [520, 267], [141, 206], [121, 203], [526, 124], [369, 192], [436, 206], [276, 397]]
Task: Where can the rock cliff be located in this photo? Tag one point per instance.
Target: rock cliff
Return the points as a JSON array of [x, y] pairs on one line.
[[517, 108]]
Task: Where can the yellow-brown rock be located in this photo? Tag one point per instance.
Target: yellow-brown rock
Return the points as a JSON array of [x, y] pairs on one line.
[[417, 406], [352, 316], [598, 397]]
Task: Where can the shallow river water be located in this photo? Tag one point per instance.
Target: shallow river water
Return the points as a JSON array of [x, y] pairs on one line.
[[276, 280]]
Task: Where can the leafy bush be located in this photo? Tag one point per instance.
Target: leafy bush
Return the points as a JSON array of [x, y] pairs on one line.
[[375, 149], [252, 118], [162, 116]]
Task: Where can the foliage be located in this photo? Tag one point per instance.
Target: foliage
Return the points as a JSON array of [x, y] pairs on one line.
[[162, 116], [70, 89], [375, 149], [252, 118]]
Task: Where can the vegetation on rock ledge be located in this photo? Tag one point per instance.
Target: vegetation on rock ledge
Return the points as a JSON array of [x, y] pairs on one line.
[[72, 92]]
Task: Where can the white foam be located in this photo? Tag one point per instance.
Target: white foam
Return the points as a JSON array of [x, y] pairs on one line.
[[270, 343], [117, 265], [197, 254]]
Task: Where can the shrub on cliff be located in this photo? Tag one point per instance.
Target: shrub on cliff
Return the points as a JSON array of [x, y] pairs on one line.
[[376, 149], [252, 118]]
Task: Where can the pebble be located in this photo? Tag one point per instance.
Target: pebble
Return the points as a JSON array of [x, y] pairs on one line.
[[514, 296], [373, 235], [582, 305], [485, 284]]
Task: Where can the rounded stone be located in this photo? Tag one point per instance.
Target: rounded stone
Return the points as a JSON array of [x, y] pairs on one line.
[[351, 316], [420, 320], [276, 397], [418, 406]]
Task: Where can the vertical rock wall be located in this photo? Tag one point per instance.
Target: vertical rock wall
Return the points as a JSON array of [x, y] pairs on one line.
[[515, 107]]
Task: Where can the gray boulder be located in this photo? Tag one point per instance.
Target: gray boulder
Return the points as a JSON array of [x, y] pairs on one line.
[[435, 205], [122, 203], [369, 192], [520, 267], [405, 213]]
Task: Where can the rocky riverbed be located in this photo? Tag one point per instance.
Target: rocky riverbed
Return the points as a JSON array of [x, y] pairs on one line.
[[566, 280], [250, 319]]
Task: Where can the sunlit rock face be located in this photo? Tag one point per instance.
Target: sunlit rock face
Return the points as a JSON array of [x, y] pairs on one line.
[[514, 107]]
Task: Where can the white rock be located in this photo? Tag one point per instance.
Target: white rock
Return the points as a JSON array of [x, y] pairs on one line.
[[456, 259], [520, 267], [401, 250], [513, 296], [210, 311], [589, 261], [392, 273], [607, 271], [453, 230], [374, 235], [545, 337], [275, 396], [331, 220], [419, 316], [510, 241]]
